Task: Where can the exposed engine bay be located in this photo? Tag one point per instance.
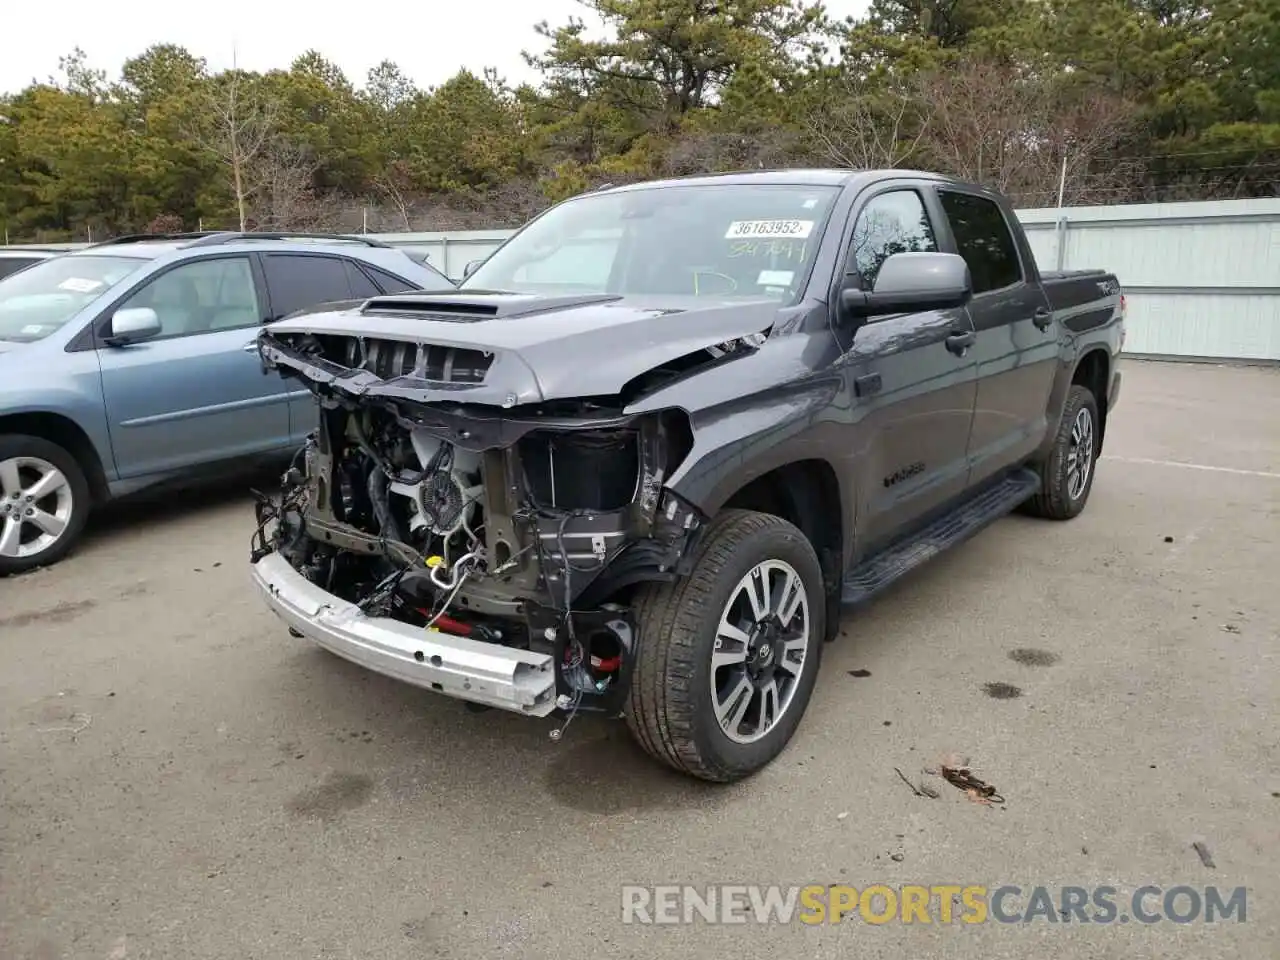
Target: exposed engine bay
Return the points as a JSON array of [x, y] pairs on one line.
[[527, 528]]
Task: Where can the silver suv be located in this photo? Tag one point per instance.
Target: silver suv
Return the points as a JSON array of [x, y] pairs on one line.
[[134, 362]]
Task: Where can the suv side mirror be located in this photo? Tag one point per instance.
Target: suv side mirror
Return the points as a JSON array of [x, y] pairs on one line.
[[909, 282], [471, 268], [131, 325]]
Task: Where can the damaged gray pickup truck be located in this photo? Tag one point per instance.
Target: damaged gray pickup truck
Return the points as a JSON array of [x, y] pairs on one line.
[[640, 460]]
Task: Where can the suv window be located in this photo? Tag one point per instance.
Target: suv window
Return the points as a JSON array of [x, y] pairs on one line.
[[201, 297], [893, 222], [362, 288], [983, 239], [387, 282], [10, 265], [300, 281]]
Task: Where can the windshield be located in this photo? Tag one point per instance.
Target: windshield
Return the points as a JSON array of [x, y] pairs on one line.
[[38, 300], [713, 240]]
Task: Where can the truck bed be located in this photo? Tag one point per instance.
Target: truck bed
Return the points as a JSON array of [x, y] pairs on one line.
[[1082, 299]]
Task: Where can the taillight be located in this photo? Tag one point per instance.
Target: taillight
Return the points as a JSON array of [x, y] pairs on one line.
[[1123, 308]]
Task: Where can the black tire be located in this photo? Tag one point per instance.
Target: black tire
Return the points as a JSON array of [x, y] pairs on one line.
[[15, 445], [1055, 499], [670, 710]]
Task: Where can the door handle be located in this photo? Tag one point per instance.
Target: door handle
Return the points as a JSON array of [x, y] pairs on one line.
[[958, 343], [866, 385], [1042, 318]]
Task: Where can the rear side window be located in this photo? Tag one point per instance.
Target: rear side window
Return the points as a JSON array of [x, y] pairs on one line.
[[10, 265], [298, 281], [983, 239], [361, 286], [387, 282]]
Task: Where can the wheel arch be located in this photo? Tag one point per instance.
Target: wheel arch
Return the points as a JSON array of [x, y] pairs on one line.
[[1093, 372], [805, 493], [67, 434]]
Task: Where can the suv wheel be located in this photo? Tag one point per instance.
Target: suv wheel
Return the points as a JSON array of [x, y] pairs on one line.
[[44, 502], [729, 655], [1066, 477]]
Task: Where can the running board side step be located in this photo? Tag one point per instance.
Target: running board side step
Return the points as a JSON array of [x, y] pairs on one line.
[[877, 573]]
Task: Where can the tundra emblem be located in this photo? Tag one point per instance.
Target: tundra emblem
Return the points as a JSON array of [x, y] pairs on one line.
[[910, 470]]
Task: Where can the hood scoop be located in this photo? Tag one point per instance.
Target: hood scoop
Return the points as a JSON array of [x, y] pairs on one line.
[[470, 308]]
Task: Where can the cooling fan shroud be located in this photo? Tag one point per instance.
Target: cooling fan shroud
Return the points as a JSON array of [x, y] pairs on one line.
[[442, 503]]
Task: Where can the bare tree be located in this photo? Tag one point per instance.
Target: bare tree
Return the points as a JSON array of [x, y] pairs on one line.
[[712, 152], [281, 182], [868, 127], [983, 122], [241, 129], [1086, 142], [512, 203], [994, 124], [392, 183]]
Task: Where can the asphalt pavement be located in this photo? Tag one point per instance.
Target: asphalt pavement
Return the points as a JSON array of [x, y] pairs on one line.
[[181, 779]]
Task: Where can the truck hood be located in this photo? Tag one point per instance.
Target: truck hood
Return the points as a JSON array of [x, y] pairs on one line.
[[542, 347]]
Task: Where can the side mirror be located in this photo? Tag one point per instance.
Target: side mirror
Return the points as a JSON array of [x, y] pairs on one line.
[[471, 268], [133, 324], [910, 282]]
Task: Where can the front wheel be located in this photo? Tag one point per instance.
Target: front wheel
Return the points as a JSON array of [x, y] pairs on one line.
[[1066, 476], [729, 655], [44, 502]]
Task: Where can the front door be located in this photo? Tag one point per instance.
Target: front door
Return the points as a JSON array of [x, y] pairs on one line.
[[197, 392], [912, 380]]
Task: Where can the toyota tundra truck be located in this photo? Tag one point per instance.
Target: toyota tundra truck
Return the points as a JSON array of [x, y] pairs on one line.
[[644, 457]]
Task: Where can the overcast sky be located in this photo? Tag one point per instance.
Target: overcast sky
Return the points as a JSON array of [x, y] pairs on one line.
[[430, 39]]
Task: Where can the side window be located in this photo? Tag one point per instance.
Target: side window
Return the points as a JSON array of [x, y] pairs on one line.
[[10, 265], [362, 287], [983, 239], [387, 282], [893, 222], [299, 281], [201, 297]]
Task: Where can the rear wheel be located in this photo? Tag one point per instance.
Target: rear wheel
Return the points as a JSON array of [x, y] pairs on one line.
[[1066, 477], [728, 656], [44, 502]]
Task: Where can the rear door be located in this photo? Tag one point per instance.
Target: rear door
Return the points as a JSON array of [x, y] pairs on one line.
[[196, 393], [299, 281], [912, 387], [1016, 349]]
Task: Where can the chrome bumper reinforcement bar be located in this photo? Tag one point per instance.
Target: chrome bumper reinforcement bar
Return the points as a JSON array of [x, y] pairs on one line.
[[520, 681]]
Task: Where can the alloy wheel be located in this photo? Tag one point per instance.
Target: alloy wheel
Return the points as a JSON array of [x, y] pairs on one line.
[[35, 506], [1080, 454], [761, 647]]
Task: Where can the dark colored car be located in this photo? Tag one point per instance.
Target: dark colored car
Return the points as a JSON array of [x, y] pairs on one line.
[[640, 460]]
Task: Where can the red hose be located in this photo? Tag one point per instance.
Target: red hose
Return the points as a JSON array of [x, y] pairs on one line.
[[448, 624]]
